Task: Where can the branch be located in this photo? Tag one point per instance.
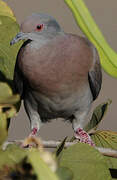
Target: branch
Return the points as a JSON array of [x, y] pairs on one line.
[[105, 151], [54, 144]]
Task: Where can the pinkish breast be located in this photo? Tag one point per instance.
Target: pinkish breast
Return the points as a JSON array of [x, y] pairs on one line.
[[60, 65]]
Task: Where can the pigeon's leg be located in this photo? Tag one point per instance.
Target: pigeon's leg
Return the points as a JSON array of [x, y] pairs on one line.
[[31, 108], [78, 128]]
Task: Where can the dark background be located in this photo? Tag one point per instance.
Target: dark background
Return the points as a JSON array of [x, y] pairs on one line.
[[105, 15]]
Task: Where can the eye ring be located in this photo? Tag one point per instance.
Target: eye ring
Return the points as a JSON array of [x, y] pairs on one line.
[[39, 27]]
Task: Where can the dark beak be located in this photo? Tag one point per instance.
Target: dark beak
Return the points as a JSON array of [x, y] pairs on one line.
[[18, 37]]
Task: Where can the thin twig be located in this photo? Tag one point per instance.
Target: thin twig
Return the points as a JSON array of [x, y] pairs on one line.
[[54, 144], [107, 152]]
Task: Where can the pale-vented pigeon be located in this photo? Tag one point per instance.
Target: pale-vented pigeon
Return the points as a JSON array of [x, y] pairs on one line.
[[57, 74]]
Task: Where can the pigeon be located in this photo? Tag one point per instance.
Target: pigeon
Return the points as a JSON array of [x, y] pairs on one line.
[[57, 74]]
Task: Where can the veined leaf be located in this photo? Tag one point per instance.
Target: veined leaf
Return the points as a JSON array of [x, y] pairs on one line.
[[86, 23], [107, 139], [97, 116], [85, 162]]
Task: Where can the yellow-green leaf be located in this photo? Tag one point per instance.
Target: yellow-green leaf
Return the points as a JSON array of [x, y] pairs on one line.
[[3, 127], [97, 116], [86, 23], [85, 162], [64, 173], [12, 155], [105, 138], [41, 169], [5, 10], [5, 90], [6, 96], [8, 29], [8, 108]]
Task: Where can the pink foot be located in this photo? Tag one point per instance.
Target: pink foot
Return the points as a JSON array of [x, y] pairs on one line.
[[33, 132], [83, 136]]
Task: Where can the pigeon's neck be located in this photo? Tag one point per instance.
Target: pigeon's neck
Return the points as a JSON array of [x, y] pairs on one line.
[[36, 44], [45, 36], [37, 41]]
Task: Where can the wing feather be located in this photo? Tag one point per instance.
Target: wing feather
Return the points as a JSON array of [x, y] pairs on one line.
[[95, 74]]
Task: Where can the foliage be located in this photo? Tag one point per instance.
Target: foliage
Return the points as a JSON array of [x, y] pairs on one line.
[[80, 161], [85, 21], [83, 161], [8, 53], [97, 116], [6, 10], [7, 108], [8, 29]]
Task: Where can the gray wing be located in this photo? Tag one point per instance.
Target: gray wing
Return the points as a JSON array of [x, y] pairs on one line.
[[18, 76], [18, 81], [95, 74]]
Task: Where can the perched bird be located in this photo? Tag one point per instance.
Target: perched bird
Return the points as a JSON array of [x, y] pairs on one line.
[[57, 74]]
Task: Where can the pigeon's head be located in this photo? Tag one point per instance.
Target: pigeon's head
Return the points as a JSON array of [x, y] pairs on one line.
[[38, 24]]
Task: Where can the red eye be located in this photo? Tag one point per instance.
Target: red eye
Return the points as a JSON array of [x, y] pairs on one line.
[[39, 27]]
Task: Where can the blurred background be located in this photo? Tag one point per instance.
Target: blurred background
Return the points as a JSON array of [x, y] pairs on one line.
[[105, 15]]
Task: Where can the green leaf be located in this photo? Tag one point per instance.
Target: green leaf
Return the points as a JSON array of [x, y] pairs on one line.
[[5, 10], [41, 168], [8, 106], [97, 116], [106, 139], [112, 162], [12, 155], [86, 23], [40, 161], [8, 100], [3, 128], [7, 109], [64, 173], [6, 96], [5, 90], [8, 29], [85, 162]]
